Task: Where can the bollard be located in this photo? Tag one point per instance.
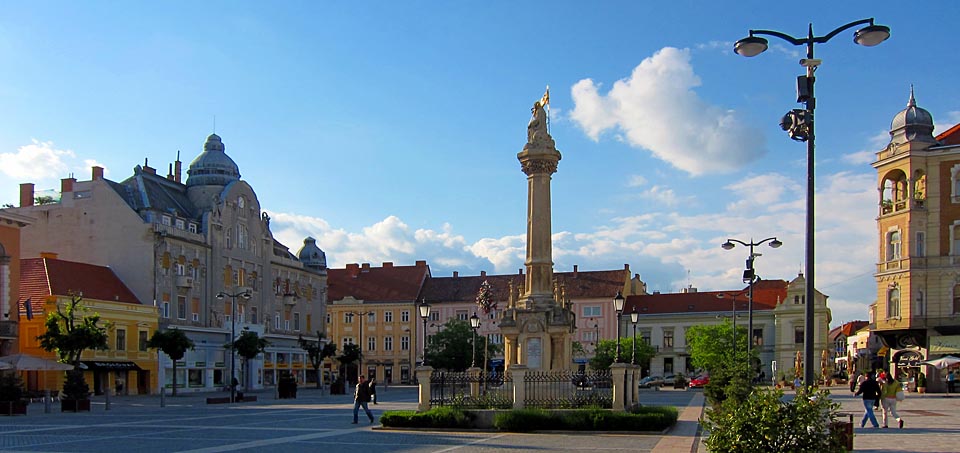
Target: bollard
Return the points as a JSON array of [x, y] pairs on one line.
[[46, 401], [106, 395], [163, 394]]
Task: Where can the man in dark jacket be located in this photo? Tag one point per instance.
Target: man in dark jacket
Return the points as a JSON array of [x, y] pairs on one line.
[[871, 398], [361, 396]]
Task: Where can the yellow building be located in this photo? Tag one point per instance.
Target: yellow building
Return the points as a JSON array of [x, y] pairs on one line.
[[918, 223], [10, 225], [127, 366]]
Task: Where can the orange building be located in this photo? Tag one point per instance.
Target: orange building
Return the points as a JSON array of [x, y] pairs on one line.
[[10, 225], [127, 366]]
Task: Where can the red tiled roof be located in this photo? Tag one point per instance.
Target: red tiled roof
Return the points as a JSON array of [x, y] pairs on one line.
[[950, 136], [380, 284], [766, 295], [42, 277], [580, 284], [851, 328]]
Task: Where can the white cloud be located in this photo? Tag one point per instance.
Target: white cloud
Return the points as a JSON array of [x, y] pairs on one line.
[[868, 156], [36, 161], [636, 181], [656, 109], [662, 195], [764, 191], [949, 120]]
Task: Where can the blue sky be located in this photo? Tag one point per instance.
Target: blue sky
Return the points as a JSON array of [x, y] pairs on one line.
[[389, 130]]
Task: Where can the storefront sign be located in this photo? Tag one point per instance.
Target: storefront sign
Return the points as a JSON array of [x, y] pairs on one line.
[[200, 364], [945, 344]]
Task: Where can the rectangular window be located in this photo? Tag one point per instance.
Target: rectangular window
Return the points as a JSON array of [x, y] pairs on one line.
[[404, 316], [371, 343], [371, 317], [388, 343], [921, 247], [286, 324], [758, 337], [645, 334], [893, 303], [182, 307], [165, 310], [192, 227], [348, 318], [165, 220], [798, 335], [346, 341], [296, 321], [404, 343], [195, 308], [434, 316], [276, 321], [668, 338], [388, 316], [181, 224], [668, 365], [592, 311], [142, 341], [462, 315], [121, 340]]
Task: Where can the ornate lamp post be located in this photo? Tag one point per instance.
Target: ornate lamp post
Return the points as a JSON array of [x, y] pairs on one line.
[[618, 306], [634, 317], [750, 277], [474, 324], [799, 123], [424, 315], [233, 336], [360, 314]]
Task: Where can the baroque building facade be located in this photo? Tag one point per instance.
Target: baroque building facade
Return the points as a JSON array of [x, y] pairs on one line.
[[917, 309], [178, 245]]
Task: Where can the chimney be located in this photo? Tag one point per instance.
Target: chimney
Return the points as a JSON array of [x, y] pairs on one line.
[[66, 185], [97, 172], [483, 274], [575, 268], [456, 274], [626, 267], [170, 172], [521, 271], [177, 168], [421, 263], [365, 267], [353, 269], [387, 264], [26, 194], [147, 168]]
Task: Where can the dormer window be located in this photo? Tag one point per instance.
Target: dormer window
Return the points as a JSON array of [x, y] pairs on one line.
[[181, 224], [165, 220], [192, 227]]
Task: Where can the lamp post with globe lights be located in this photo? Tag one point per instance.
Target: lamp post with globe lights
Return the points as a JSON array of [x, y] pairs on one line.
[[245, 295], [618, 306], [424, 308], [799, 124], [750, 277]]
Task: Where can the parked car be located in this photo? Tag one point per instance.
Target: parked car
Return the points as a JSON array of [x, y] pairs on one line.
[[699, 381], [651, 381], [669, 379]]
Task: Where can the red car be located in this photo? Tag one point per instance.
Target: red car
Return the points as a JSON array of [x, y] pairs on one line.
[[699, 381]]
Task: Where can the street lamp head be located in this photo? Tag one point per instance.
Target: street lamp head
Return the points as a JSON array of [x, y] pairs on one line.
[[775, 243], [618, 302], [424, 310], [246, 295], [474, 322], [634, 316], [220, 295], [871, 35], [728, 245], [750, 46]]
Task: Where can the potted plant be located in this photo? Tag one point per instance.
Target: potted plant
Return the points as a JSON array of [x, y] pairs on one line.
[[11, 395], [76, 393], [921, 383]]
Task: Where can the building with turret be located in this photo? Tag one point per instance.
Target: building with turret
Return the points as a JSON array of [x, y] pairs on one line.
[[177, 245], [917, 310]]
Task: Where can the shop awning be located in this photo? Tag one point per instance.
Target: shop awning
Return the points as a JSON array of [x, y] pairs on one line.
[[98, 365]]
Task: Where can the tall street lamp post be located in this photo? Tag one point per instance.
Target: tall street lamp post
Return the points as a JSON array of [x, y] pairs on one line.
[[360, 314], [424, 315], [233, 336], [799, 123], [733, 299], [634, 317], [618, 306], [750, 277], [474, 324]]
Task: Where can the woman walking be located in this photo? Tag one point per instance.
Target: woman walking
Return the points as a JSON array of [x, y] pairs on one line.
[[871, 398], [890, 388]]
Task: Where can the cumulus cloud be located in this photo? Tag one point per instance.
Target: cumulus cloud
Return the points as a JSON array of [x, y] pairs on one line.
[[657, 109], [36, 161], [949, 120], [867, 156]]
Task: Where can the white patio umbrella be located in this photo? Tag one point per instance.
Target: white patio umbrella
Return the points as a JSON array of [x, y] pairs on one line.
[[943, 362], [26, 362]]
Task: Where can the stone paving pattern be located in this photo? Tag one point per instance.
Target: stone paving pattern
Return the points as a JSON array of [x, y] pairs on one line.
[[315, 422]]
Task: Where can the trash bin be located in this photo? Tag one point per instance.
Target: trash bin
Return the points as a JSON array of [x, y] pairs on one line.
[[844, 430]]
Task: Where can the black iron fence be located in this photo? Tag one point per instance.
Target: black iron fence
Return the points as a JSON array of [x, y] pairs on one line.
[[568, 389], [471, 390]]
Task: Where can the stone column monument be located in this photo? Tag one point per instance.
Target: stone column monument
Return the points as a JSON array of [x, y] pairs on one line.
[[538, 325]]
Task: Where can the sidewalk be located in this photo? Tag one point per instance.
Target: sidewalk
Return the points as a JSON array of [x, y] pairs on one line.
[[931, 424], [685, 435]]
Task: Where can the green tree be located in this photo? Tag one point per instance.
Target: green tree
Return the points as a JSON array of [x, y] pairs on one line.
[[351, 355], [70, 330], [606, 351], [248, 345], [452, 348], [174, 343], [712, 348], [317, 353]]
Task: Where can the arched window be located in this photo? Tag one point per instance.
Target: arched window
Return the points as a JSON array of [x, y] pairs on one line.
[[893, 302], [893, 245]]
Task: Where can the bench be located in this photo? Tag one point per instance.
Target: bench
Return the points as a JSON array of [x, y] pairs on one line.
[[226, 399]]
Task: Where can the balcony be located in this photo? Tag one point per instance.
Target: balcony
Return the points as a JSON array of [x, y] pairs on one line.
[[290, 299], [8, 329], [184, 281]]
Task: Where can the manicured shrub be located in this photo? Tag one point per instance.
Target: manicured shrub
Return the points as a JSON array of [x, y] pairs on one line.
[[440, 417]]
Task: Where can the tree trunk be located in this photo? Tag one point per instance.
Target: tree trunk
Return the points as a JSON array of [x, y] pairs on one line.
[[319, 377], [174, 378]]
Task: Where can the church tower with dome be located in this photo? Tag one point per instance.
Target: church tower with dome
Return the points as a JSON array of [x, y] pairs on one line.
[[917, 308]]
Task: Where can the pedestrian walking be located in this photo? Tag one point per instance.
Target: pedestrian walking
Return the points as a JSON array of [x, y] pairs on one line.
[[373, 390], [855, 381], [871, 398], [951, 382], [361, 396], [889, 402]]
